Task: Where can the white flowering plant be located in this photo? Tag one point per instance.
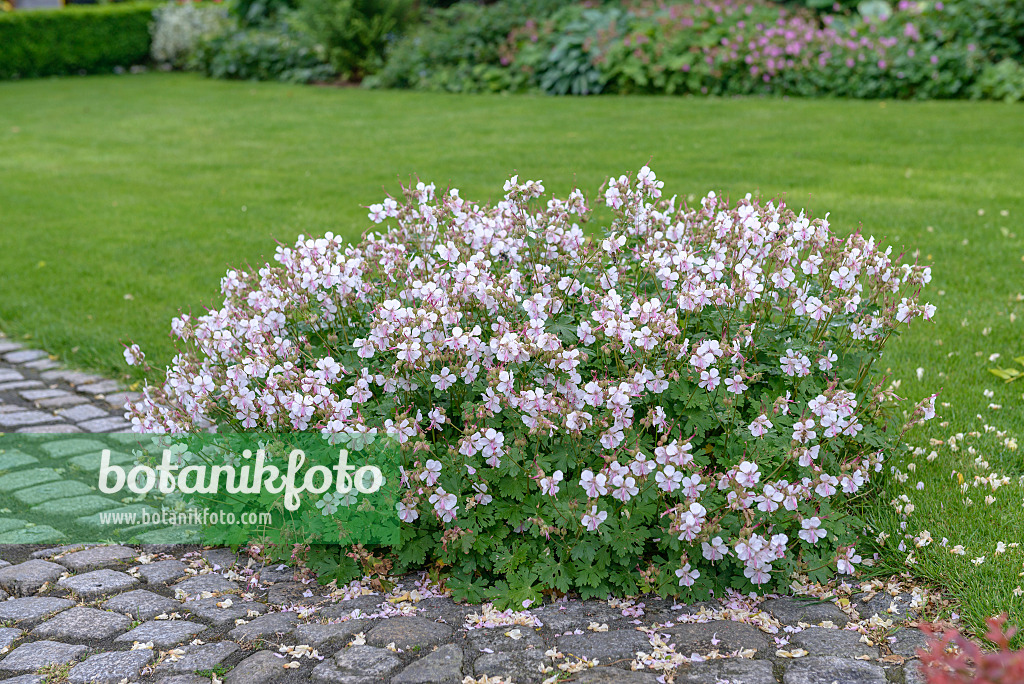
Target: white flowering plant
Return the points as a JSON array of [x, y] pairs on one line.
[[179, 27], [681, 402]]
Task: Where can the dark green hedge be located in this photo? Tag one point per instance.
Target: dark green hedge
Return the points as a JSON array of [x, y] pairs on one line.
[[74, 39]]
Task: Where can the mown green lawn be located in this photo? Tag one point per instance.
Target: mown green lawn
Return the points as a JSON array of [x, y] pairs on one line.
[[123, 199]]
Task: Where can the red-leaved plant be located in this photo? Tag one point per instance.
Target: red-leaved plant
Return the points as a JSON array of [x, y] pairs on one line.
[[968, 664]]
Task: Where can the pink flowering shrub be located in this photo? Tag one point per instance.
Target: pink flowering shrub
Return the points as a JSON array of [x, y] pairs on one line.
[[681, 404]]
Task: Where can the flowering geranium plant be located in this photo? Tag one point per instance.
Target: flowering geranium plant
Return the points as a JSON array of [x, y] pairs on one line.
[[681, 404]]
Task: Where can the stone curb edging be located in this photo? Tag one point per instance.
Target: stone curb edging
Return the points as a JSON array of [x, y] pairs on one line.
[[37, 395]]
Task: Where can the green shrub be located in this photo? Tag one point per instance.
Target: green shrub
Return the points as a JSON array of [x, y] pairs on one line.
[[1002, 81], [73, 40], [464, 48], [260, 12], [355, 33], [179, 27], [570, 66], [756, 47], [995, 28], [273, 53]]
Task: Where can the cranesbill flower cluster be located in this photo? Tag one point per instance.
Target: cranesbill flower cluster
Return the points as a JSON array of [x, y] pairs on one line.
[[681, 401]]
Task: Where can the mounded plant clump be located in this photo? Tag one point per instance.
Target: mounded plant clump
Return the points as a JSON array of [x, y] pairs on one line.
[[681, 404]]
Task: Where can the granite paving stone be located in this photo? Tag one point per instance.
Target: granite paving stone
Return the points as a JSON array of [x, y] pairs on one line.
[[276, 573], [117, 400], [98, 558], [71, 377], [23, 418], [259, 668], [504, 639], [81, 413], [105, 424], [914, 673], [521, 667], [790, 611], [220, 559], [33, 496], [336, 635], [124, 440], [82, 625], [51, 429], [13, 458], [271, 626], [90, 462], [74, 507], [366, 605], [832, 670], [110, 668], [30, 611], [62, 401], [141, 604], [212, 582], [97, 583], [23, 355], [296, 593], [883, 605], [819, 641], [27, 679], [32, 534], [163, 633], [8, 524], [8, 635], [197, 657], [223, 610], [27, 478], [161, 572], [8, 374], [611, 675], [72, 447], [566, 617], [442, 666], [907, 642], [697, 637], [51, 552], [41, 364], [183, 679], [407, 632], [100, 521], [443, 609], [38, 654], [614, 647], [101, 387], [357, 665], [18, 385], [26, 578], [37, 394]]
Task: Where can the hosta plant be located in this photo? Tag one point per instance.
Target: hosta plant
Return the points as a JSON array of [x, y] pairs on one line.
[[680, 401]]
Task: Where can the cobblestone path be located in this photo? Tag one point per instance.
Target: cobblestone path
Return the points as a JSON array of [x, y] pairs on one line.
[[109, 614], [38, 396]]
